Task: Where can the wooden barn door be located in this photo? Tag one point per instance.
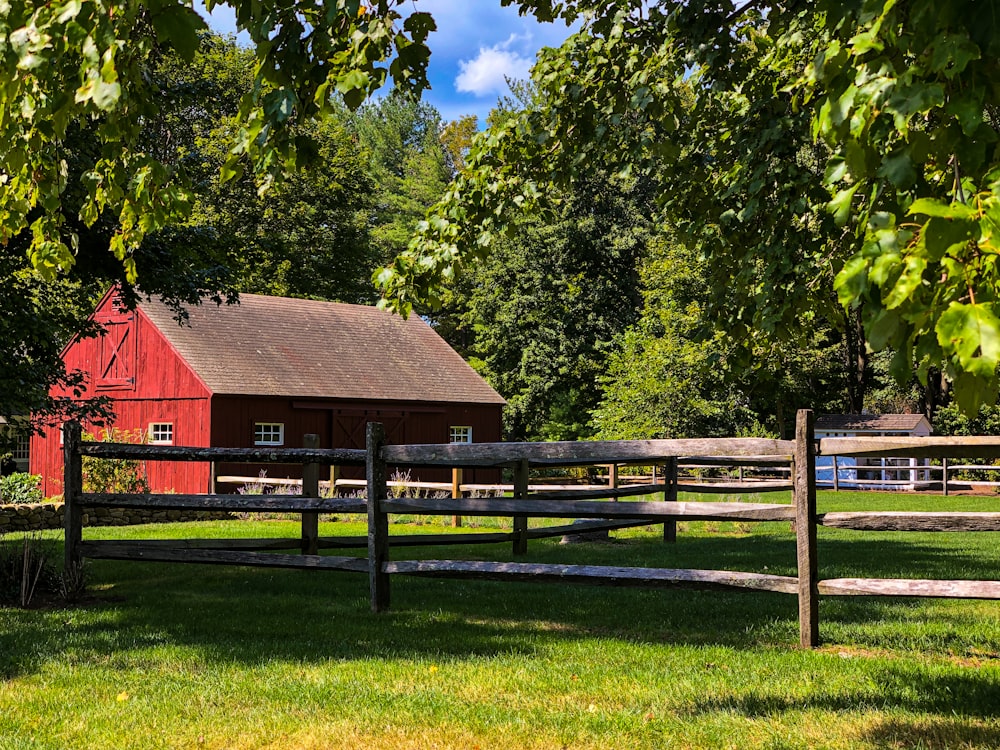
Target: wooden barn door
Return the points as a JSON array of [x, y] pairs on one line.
[[349, 427], [117, 351]]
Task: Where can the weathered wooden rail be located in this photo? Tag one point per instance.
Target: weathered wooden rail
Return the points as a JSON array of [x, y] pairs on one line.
[[600, 506]]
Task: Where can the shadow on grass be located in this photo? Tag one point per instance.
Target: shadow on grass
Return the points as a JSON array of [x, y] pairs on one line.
[[253, 615], [943, 733], [973, 695]]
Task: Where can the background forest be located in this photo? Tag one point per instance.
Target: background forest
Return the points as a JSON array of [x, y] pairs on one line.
[[589, 319]]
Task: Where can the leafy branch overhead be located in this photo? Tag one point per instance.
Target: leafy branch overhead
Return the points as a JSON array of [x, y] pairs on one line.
[[839, 149], [84, 64]]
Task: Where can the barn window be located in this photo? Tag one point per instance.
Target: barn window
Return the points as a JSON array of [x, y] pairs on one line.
[[461, 434], [23, 447], [268, 433], [161, 433]]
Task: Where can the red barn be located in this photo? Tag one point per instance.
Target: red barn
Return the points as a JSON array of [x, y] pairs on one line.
[[266, 372]]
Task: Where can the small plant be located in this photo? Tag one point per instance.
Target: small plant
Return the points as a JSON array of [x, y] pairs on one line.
[[115, 475], [20, 488], [255, 488], [26, 569]]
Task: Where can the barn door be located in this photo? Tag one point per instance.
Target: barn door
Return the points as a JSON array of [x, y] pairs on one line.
[[116, 347], [349, 427]]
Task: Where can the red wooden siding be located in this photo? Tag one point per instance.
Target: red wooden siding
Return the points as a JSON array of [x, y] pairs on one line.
[[341, 424], [136, 367]]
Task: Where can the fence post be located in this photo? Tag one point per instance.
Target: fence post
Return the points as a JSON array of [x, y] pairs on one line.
[[310, 488], [944, 476], [804, 492], [72, 489], [670, 496], [836, 475], [334, 476], [456, 491], [378, 521], [521, 522]]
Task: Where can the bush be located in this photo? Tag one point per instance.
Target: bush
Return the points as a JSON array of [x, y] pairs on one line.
[[115, 475], [20, 487]]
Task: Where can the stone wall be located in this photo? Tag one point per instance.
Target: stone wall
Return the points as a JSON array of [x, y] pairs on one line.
[[36, 517]]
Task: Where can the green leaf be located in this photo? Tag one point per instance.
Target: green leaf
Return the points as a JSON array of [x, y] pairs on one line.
[[852, 281], [840, 204], [898, 168], [934, 207], [941, 235], [972, 333], [909, 281], [883, 329], [179, 26]]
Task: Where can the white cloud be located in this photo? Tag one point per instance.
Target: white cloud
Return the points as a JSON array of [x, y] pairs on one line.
[[488, 71]]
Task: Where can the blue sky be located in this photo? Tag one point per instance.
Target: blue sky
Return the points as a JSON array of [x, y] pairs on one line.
[[477, 43]]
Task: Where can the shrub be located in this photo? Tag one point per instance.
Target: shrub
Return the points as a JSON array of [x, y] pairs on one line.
[[19, 487], [115, 475]]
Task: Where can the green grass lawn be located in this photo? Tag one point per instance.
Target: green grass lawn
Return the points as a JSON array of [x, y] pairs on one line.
[[178, 656]]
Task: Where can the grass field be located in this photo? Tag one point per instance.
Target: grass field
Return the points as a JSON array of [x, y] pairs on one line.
[[176, 656]]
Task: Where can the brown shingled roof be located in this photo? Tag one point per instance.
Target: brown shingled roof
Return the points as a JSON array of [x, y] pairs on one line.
[[868, 422], [275, 346]]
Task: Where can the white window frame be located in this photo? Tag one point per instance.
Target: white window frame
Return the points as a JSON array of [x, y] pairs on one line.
[[460, 433], [22, 448], [161, 427], [264, 433]]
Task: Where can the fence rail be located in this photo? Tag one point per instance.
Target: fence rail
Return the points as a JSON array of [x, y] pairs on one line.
[[593, 508]]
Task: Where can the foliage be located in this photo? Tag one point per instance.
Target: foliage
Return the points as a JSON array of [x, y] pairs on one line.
[[20, 487], [408, 164], [539, 316], [72, 64], [667, 379], [115, 475], [951, 420], [893, 204]]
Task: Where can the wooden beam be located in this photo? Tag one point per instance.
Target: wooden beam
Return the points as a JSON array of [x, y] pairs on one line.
[[719, 488], [378, 519], [72, 495], [908, 587], [236, 503], [637, 490], [912, 521], [804, 496], [594, 574], [670, 488], [456, 491], [310, 491], [924, 447], [323, 456], [505, 506], [580, 453], [520, 522], [126, 551]]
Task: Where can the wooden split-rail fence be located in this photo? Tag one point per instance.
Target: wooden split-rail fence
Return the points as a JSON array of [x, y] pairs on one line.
[[597, 506]]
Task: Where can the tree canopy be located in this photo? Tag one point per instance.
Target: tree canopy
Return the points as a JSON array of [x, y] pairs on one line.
[[815, 153], [806, 149]]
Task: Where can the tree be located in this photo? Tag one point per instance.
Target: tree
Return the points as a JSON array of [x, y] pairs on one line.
[[407, 162], [544, 309], [896, 202], [306, 237], [901, 94], [674, 375]]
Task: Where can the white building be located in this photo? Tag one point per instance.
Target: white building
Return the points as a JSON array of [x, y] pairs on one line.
[[872, 473]]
